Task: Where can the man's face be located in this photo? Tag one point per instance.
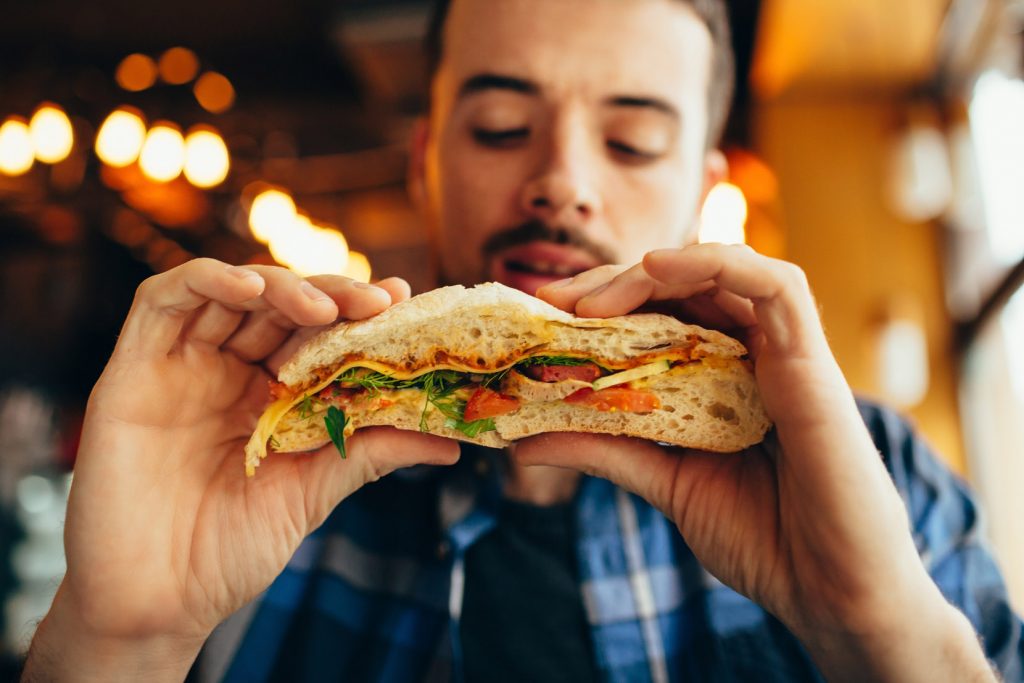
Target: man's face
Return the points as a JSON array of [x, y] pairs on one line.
[[563, 135]]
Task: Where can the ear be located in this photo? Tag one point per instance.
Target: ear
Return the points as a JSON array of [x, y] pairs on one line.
[[416, 179], [716, 170]]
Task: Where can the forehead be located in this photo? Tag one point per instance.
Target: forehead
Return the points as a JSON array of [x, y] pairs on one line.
[[588, 48]]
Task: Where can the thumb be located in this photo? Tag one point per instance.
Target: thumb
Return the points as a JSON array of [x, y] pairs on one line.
[[371, 453], [638, 466]]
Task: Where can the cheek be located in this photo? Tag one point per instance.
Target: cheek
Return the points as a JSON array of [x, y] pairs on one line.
[[475, 197], [652, 211], [479, 194]]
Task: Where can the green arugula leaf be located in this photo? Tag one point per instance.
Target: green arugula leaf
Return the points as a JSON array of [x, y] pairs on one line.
[[307, 407], [552, 360], [336, 422], [472, 429]]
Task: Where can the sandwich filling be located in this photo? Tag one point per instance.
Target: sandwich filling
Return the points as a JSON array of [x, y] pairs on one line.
[[468, 401]]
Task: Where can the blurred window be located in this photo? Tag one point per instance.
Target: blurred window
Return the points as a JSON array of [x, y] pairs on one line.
[[986, 250], [997, 126]]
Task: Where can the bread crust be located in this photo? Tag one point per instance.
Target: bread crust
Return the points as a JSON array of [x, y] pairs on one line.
[[488, 328]]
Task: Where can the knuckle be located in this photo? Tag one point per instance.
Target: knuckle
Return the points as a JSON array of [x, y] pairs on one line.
[[148, 287], [794, 276]]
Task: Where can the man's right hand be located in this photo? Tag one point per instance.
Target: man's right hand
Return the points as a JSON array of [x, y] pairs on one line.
[[165, 536]]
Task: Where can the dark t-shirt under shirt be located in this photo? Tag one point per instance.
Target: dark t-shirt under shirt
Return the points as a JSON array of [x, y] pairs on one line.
[[522, 612]]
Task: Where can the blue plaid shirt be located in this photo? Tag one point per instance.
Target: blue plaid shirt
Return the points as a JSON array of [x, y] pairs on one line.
[[375, 594]]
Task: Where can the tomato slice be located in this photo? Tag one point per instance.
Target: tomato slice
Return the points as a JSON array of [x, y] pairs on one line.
[[612, 399], [278, 390], [587, 372], [485, 403], [333, 393]]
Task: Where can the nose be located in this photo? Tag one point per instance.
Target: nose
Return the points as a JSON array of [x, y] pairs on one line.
[[563, 191]]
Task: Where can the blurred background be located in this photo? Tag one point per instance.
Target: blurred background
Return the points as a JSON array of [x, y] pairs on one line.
[[879, 144]]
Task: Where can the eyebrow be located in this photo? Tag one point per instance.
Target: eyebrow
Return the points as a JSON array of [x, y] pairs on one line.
[[492, 81], [489, 81]]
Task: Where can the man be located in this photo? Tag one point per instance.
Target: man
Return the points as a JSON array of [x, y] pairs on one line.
[[564, 137]]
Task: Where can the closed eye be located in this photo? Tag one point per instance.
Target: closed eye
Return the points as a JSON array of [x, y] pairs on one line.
[[507, 137], [632, 154]]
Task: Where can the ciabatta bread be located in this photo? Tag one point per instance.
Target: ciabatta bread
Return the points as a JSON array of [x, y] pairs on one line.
[[708, 399]]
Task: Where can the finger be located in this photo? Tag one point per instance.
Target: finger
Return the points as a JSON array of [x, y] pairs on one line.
[[715, 309], [164, 302], [260, 335], [629, 290], [566, 293], [398, 288], [372, 453], [264, 332], [782, 300], [355, 300], [279, 356], [213, 324], [641, 467]]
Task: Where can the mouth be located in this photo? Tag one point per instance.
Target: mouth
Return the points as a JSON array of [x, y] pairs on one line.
[[531, 266], [542, 268]]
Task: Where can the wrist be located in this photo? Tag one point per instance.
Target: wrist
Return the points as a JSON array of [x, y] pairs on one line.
[[66, 648], [931, 641]]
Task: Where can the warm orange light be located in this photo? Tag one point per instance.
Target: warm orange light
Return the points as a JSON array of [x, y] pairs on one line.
[[358, 267], [206, 158], [120, 138], [272, 212], [136, 72], [214, 92], [178, 65], [163, 153], [724, 216], [308, 249], [52, 135], [16, 151]]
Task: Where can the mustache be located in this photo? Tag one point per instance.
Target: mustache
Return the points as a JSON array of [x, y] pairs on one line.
[[538, 231]]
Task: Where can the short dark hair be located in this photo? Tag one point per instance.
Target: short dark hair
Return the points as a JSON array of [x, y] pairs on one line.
[[714, 14]]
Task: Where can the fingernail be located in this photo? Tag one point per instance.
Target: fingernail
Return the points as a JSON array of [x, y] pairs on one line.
[[243, 273], [364, 285], [598, 291], [313, 293], [558, 284]]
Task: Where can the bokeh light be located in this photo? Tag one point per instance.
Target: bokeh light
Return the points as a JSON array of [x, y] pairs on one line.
[[136, 72], [358, 267], [178, 65], [163, 153], [206, 158], [724, 216], [52, 135], [214, 92], [309, 249], [120, 138], [272, 213], [16, 150]]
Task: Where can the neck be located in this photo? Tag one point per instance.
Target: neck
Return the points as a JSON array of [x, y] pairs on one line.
[[540, 485]]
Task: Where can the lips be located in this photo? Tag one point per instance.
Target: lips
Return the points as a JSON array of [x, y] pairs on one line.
[[531, 266]]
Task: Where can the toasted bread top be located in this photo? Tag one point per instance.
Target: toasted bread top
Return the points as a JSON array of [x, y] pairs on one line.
[[489, 327]]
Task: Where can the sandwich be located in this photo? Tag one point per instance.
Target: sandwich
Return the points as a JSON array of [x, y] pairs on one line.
[[490, 365]]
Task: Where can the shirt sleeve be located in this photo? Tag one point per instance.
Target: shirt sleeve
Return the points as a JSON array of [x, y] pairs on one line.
[[949, 534]]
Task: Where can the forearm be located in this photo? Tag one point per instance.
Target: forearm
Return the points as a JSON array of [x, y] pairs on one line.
[[65, 649], [938, 645]]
